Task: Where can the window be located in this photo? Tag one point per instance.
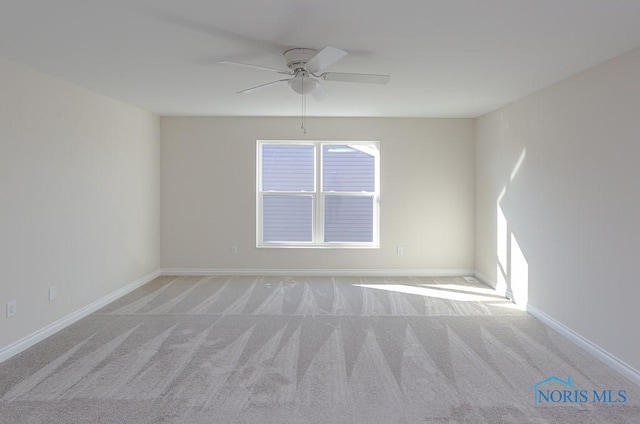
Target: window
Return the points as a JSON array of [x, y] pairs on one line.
[[318, 194]]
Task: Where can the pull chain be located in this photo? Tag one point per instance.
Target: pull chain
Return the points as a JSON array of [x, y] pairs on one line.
[[303, 125]]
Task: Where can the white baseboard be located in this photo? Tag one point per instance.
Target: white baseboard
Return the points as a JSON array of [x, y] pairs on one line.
[[596, 351], [494, 285], [321, 272], [486, 280], [33, 338]]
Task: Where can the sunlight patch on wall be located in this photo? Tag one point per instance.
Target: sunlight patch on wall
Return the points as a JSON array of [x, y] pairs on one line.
[[519, 274], [516, 168], [502, 249], [512, 268]]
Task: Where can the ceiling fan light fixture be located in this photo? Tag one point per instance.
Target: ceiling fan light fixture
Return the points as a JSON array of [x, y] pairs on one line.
[[303, 85]]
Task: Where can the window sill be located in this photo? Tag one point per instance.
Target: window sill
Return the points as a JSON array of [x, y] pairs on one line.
[[317, 246]]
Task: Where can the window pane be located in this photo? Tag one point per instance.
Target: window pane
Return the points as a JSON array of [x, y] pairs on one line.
[[287, 218], [348, 219], [287, 167], [348, 168]]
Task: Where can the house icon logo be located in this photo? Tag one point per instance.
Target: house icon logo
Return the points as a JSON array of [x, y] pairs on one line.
[[539, 394], [554, 390]]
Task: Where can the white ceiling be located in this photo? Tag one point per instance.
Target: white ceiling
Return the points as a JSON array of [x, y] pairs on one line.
[[446, 58]]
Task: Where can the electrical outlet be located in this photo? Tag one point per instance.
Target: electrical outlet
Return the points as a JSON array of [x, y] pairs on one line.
[[53, 293], [11, 309], [399, 250], [234, 250]]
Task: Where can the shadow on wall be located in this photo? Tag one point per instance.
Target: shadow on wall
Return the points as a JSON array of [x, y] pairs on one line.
[[512, 268]]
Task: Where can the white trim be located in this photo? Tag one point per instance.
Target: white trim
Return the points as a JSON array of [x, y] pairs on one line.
[[321, 272], [318, 196], [41, 334], [593, 349], [486, 280]]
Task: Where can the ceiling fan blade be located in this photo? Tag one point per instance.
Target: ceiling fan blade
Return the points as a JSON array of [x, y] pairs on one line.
[[326, 57], [203, 27], [320, 93], [250, 66], [248, 90], [359, 78]]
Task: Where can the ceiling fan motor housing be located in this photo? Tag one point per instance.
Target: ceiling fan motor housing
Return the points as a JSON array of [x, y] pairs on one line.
[[297, 58]]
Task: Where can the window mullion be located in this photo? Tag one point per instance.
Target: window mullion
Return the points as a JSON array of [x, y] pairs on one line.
[[336, 157]]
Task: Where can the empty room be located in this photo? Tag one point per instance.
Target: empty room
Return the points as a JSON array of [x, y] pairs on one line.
[[305, 211]]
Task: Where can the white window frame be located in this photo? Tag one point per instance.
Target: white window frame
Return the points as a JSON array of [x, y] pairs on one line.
[[318, 196]]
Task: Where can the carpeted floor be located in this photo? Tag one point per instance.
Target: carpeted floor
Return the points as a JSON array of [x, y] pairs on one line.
[[310, 350]]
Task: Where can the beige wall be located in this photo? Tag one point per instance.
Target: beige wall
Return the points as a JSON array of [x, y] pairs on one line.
[[571, 210], [79, 198], [208, 194]]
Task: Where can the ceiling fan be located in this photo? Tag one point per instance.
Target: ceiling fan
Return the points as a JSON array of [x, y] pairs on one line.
[[305, 71]]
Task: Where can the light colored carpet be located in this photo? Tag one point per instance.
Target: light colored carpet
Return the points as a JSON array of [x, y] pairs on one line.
[[305, 350]]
